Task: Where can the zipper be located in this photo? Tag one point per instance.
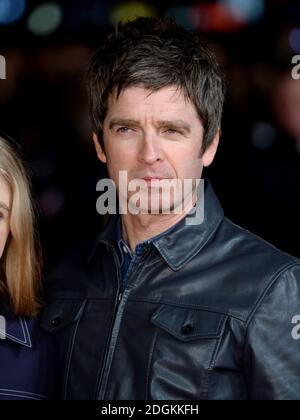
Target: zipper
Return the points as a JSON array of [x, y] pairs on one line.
[[121, 297], [116, 307]]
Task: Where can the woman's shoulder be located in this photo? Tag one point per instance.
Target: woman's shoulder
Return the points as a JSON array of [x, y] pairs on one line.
[[27, 358]]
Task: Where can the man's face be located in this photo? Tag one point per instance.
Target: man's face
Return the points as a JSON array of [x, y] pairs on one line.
[[153, 135], [5, 197]]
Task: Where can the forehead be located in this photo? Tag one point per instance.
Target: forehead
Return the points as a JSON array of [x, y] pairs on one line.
[[165, 101]]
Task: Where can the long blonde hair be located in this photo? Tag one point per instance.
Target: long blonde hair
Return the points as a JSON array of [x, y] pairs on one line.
[[20, 273]]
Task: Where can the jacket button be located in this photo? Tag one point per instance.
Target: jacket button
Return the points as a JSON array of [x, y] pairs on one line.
[[187, 329], [55, 321]]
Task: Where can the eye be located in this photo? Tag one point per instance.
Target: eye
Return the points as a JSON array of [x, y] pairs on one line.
[[123, 130], [172, 131]]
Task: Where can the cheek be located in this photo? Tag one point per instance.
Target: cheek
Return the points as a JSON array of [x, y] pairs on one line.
[[123, 158], [186, 163], [3, 238]]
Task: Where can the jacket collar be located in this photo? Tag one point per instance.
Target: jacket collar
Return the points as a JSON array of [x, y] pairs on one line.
[[183, 241], [14, 328]]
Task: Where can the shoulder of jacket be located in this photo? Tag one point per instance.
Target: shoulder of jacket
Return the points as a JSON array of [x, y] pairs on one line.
[[254, 267], [259, 247]]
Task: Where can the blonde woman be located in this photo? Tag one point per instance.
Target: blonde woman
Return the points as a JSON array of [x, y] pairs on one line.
[[26, 352]]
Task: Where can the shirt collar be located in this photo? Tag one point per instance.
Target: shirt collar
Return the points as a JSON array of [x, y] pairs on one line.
[[180, 243], [124, 248]]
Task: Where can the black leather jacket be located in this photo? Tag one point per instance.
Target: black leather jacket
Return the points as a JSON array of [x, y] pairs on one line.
[[209, 312]]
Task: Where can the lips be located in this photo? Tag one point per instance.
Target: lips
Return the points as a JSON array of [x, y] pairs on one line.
[[153, 180], [148, 178]]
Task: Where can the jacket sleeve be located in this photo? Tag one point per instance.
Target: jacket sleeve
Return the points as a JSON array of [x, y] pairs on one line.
[[272, 346]]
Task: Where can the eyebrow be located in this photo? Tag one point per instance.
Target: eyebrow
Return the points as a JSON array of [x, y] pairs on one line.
[[122, 121], [4, 206], [175, 123], [180, 124]]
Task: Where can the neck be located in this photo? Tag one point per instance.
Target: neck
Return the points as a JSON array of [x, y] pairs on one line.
[[141, 227]]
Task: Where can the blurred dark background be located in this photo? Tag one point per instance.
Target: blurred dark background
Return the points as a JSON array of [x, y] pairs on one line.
[[43, 106]]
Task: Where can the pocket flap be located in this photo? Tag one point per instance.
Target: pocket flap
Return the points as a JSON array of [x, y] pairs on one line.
[[189, 324], [60, 313]]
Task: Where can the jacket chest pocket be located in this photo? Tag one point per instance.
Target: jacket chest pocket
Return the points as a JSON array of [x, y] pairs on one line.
[[61, 314], [184, 347], [60, 318]]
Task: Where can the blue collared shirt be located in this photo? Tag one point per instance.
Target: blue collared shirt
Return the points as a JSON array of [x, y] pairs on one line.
[[126, 257]]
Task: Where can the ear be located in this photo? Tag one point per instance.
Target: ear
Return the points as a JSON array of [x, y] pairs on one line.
[[99, 150], [209, 154]]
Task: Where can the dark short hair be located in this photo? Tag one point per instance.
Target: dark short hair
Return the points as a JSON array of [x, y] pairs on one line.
[[155, 53]]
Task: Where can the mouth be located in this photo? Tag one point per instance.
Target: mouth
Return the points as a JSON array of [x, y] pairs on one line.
[[152, 179]]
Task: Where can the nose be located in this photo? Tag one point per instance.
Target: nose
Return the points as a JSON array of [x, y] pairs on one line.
[[150, 150]]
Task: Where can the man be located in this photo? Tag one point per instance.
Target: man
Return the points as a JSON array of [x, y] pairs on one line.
[[159, 307]]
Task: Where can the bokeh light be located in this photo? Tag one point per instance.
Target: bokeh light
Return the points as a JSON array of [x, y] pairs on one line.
[[11, 11], [294, 40], [215, 17], [245, 10], [263, 135], [52, 202], [129, 11], [45, 19]]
